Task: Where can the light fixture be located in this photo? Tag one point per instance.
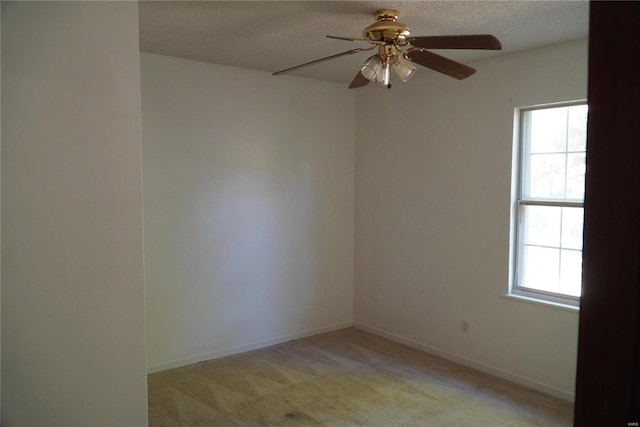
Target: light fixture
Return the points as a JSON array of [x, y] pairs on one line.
[[376, 67], [385, 78], [403, 68], [372, 68]]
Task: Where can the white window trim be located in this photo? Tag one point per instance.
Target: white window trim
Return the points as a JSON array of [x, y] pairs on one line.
[[515, 261]]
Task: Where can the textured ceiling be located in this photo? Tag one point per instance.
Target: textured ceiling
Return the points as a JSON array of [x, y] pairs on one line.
[[273, 35]]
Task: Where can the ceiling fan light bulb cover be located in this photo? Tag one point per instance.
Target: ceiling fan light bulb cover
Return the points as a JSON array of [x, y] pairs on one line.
[[403, 68], [372, 68], [384, 77]]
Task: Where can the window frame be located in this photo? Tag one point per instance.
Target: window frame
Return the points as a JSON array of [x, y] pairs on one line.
[[520, 174]]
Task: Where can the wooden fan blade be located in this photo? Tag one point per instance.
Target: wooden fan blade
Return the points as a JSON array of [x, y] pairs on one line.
[[472, 41], [317, 61], [440, 63], [358, 81], [351, 39]]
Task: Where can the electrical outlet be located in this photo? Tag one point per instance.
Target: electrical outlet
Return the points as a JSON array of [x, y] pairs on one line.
[[465, 326]]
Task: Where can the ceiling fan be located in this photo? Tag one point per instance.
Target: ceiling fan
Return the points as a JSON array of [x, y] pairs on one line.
[[397, 49]]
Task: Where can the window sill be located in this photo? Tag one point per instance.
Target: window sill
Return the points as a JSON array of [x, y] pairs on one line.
[[542, 302]]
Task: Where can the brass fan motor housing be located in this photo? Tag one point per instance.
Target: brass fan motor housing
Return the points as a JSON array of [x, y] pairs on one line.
[[387, 28]]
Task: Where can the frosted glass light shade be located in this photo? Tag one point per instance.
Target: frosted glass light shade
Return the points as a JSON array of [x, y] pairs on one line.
[[384, 76], [372, 68], [403, 68]]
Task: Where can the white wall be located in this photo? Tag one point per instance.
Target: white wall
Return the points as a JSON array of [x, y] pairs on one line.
[[432, 216], [248, 206], [72, 269]]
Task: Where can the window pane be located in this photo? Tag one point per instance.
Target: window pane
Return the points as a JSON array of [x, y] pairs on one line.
[[548, 130], [553, 169], [572, 221], [541, 268], [577, 129], [542, 225], [571, 272], [546, 176], [575, 176]]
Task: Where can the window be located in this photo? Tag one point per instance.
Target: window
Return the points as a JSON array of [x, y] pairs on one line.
[[548, 206]]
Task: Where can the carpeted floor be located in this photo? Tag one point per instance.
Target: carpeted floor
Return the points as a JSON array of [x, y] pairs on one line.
[[343, 378]]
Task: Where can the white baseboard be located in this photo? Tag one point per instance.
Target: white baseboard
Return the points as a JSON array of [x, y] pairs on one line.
[[492, 370], [245, 347]]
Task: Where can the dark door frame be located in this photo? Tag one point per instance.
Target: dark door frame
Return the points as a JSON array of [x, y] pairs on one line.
[[608, 372]]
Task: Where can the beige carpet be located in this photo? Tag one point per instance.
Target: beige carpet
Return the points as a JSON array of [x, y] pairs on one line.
[[343, 378]]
